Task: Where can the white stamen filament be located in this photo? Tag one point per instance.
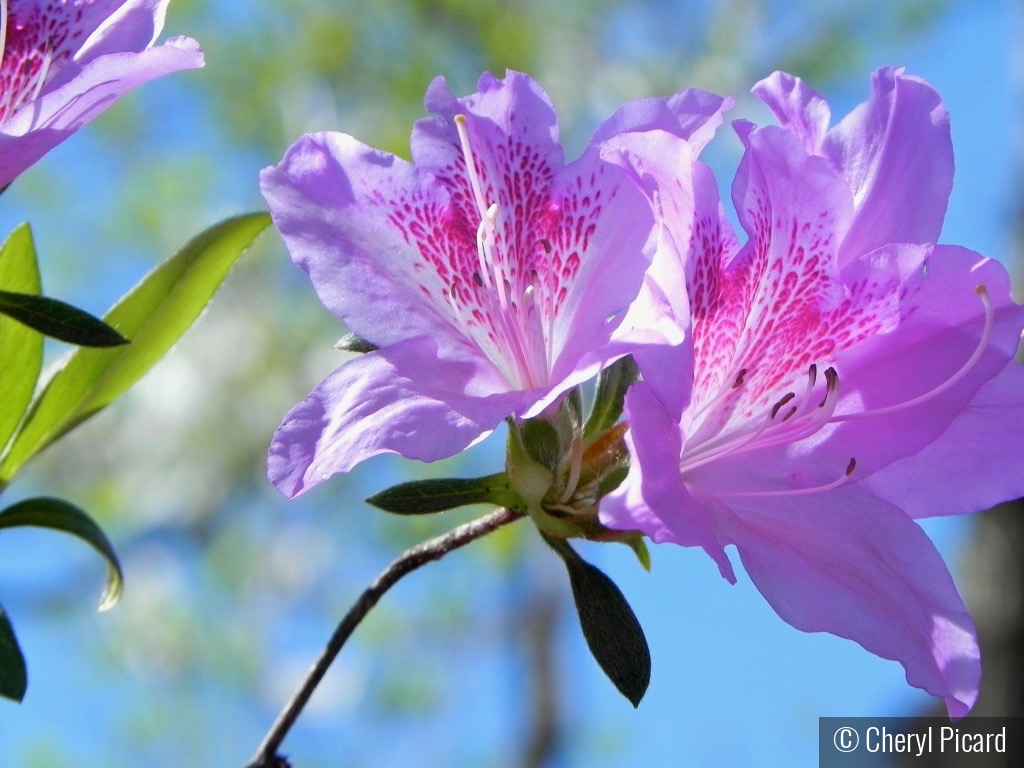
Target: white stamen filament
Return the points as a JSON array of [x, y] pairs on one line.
[[13, 100], [773, 427], [841, 480], [43, 70], [979, 350], [518, 323]]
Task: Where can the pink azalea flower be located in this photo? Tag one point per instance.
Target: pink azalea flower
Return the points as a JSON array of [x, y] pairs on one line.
[[492, 276], [841, 377], [65, 61]]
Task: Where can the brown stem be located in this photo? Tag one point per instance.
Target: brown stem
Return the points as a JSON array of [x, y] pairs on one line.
[[414, 557]]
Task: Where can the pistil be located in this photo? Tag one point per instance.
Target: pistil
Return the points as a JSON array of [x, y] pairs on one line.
[[517, 321]]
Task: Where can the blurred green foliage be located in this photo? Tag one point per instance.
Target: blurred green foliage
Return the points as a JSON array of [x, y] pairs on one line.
[[231, 590]]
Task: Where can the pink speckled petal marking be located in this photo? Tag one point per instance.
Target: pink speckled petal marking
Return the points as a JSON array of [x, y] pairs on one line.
[[894, 147], [65, 62], [844, 375], [513, 264]]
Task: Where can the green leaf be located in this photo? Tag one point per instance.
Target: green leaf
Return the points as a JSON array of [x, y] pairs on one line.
[[611, 392], [610, 627], [59, 515], [21, 349], [59, 320], [422, 497], [154, 315], [13, 675]]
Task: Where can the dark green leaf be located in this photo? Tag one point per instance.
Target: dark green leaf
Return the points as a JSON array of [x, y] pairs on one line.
[[59, 515], [352, 343], [21, 349], [13, 675], [609, 625], [154, 314], [611, 392], [421, 497], [59, 320]]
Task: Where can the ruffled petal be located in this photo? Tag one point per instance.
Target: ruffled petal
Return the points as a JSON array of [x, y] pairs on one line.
[[403, 399], [896, 153], [854, 566], [362, 223], [798, 107]]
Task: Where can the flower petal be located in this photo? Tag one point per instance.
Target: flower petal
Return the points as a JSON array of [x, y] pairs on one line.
[[973, 465], [654, 499], [859, 568], [56, 114], [798, 107], [693, 238], [354, 219], [388, 401], [927, 337], [893, 149]]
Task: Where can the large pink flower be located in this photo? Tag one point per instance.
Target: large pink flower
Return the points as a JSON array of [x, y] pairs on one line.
[[493, 276], [65, 61], [841, 376]]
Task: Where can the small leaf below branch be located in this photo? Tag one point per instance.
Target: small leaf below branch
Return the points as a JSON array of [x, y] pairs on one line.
[[58, 515], [424, 497], [610, 627], [59, 320], [13, 675]]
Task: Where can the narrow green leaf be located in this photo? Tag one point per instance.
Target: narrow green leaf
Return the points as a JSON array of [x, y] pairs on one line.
[[13, 675], [154, 315], [611, 392], [423, 497], [610, 627], [59, 320], [21, 349], [59, 515]]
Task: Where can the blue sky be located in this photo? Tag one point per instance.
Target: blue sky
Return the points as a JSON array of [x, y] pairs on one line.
[[732, 684]]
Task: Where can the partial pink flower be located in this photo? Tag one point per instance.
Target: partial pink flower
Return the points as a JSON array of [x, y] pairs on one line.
[[65, 61], [842, 375], [492, 276]]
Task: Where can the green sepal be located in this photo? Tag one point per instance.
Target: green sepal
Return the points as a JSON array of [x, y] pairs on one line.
[[13, 674], [424, 497], [352, 343], [58, 515], [154, 314], [21, 348], [639, 546], [58, 320], [611, 481], [542, 443], [612, 384], [610, 627]]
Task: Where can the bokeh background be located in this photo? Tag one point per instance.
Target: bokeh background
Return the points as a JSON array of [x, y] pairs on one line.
[[477, 660]]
